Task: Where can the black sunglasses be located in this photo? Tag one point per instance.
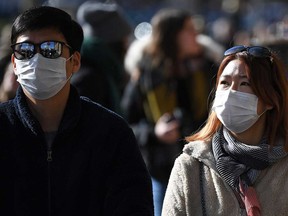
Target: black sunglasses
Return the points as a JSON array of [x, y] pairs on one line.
[[256, 51], [48, 49]]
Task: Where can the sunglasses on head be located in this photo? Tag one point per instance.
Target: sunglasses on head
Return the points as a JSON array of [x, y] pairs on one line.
[[48, 49], [256, 51]]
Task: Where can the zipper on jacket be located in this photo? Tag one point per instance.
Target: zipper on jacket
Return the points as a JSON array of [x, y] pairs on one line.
[[49, 155], [49, 136], [49, 160]]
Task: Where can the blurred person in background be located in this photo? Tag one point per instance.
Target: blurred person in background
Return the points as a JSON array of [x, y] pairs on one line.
[[8, 80], [166, 95], [281, 47], [9, 84], [106, 32]]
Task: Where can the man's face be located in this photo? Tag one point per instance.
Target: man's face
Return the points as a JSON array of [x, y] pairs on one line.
[[51, 51]]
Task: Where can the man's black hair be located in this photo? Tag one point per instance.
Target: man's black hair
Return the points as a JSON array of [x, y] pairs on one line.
[[38, 18]]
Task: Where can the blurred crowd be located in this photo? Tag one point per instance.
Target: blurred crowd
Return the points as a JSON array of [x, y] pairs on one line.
[[157, 69]]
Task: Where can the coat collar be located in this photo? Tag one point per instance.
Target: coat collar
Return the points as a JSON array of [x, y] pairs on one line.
[[202, 151], [69, 120]]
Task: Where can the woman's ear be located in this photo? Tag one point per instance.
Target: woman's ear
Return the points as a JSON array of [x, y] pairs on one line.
[[269, 107], [76, 60]]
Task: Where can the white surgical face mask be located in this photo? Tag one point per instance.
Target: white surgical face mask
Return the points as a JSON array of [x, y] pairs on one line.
[[236, 110], [42, 77]]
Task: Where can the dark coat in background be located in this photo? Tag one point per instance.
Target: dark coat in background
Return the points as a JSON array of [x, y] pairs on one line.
[[155, 94], [101, 76]]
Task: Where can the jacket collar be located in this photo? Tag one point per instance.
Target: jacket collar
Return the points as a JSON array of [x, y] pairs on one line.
[[69, 120], [202, 151]]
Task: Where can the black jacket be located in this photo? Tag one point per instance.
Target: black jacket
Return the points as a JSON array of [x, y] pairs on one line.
[[95, 167]]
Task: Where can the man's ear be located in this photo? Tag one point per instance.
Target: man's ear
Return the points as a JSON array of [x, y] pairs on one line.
[[13, 63], [76, 59]]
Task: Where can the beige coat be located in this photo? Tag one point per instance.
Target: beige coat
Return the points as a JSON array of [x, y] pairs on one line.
[[183, 192]]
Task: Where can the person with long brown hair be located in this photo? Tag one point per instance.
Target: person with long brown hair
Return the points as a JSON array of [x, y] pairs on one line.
[[166, 98], [237, 163]]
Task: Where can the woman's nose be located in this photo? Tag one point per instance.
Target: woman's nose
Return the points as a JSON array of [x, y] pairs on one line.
[[234, 86]]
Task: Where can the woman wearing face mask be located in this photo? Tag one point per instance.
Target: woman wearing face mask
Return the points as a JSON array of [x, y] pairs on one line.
[[237, 163]]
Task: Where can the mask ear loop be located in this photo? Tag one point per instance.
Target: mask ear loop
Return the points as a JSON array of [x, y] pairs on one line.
[[262, 113], [71, 72], [266, 109], [69, 77], [69, 58]]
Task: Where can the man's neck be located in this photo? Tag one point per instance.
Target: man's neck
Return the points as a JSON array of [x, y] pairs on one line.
[[49, 112]]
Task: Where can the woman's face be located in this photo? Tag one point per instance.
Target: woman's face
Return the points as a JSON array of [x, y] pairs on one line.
[[186, 40], [234, 77]]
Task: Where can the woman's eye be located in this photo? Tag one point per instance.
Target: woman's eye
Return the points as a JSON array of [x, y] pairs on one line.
[[223, 82], [245, 83]]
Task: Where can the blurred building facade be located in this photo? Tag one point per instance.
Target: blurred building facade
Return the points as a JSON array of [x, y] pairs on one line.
[[228, 22], [245, 13]]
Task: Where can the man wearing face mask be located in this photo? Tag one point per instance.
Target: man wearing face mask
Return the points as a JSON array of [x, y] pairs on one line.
[[62, 154]]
